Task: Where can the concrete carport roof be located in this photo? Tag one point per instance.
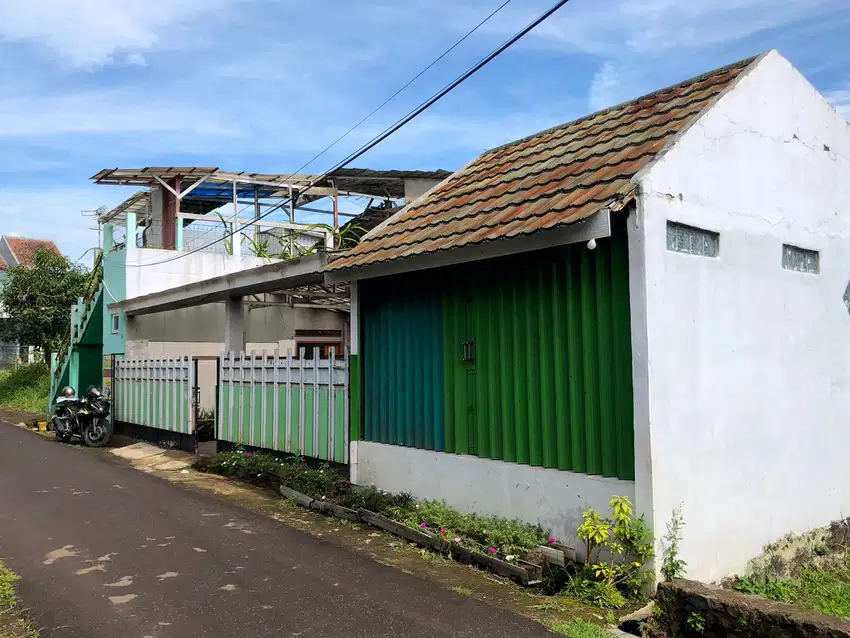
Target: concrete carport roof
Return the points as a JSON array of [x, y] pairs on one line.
[[271, 278]]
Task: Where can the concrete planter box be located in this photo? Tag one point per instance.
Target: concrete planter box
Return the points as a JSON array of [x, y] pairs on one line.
[[524, 573]]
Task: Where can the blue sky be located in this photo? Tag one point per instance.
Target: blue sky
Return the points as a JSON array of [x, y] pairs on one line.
[[261, 85]]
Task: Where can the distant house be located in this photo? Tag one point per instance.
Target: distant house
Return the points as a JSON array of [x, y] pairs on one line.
[[17, 251], [20, 251], [644, 302]]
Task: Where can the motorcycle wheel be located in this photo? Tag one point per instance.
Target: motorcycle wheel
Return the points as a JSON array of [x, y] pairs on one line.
[[63, 438], [96, 434]]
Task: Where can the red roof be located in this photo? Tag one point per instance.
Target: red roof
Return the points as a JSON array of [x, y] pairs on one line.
[[24, 249], [550, 179]]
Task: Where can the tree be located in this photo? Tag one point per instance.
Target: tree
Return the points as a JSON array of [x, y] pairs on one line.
[[37, 300]]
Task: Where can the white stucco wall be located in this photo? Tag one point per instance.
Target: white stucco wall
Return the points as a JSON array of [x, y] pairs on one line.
[[743, 390], [149, 272], [553, 498]]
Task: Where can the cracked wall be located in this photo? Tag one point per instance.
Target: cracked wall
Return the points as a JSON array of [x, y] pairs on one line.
[[745, 366]]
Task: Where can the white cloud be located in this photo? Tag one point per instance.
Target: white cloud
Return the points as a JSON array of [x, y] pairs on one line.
[[88, 33], [106, 111], [55, 215], [625, 27], [603, 87], [136, 59]]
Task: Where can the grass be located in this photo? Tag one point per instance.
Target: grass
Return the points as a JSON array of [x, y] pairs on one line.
[[25, 387], [823, 590], [12, 622], [462, 591], [580, 629]]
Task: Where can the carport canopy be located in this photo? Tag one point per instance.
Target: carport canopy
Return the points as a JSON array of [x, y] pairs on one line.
[[298, 276]]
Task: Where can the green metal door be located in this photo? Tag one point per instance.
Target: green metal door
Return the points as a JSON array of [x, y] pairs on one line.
[[468, 370], [461, 351]]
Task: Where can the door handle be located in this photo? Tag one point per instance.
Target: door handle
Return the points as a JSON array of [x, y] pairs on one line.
[[468, 353]]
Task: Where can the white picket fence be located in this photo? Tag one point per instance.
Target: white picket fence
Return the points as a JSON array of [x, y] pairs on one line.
[[156, 393]]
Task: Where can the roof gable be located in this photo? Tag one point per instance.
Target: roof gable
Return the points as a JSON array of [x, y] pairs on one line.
[[550, 179], [24, 249]]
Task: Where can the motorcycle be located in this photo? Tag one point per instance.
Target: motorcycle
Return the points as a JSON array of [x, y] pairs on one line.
[[86, 418]]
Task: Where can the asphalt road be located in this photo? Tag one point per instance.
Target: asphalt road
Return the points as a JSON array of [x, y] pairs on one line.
[[106, 551]]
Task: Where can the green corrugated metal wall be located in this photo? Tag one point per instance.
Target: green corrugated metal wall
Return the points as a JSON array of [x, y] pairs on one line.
[[550, 381], [402, 359]]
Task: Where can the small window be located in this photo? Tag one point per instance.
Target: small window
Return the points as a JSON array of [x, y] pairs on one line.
[[692, 241], [800, 259], [114, 319]]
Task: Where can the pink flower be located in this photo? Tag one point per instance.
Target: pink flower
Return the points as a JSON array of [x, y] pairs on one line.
[[551, 539], [442, 530], [492, 550], [248, 454], [457, 539], [423, 525]]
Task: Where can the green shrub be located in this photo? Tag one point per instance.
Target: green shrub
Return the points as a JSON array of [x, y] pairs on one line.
[[584, 587], [480, 533], [823, 590], [253, 467], [617, 547], [25, 387]]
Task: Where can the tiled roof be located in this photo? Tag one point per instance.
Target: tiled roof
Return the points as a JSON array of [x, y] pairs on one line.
[[550, 179], [24, 249]]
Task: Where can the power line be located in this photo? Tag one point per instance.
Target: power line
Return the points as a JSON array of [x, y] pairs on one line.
[[337, 140], [412, 80], [393, 128]]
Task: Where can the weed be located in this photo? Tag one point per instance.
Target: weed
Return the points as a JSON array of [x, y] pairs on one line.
[[7, 587], [625, 540], [461, 590], [824, 590], [696, 622], [671, 565], [12, 622], [25, 387], [593, 592], [579, 629], [479, 533]]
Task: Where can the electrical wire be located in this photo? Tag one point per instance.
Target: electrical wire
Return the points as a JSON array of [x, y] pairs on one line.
[[341, 137], [390, 130]]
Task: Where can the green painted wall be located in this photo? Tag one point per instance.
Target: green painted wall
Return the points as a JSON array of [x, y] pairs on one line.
[[549, 382], [402, 361], [90, 362], [115, 289]]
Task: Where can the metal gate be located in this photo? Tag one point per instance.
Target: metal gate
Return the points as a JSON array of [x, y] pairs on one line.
[[157, 394], [289, 404]]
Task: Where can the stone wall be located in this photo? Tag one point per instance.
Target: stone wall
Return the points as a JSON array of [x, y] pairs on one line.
[[689, 608]]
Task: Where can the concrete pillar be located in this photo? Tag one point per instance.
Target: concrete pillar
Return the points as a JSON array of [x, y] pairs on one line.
[[170, 209], [130, 234], [108, 238], [355, 385], [234, 325], [154, 233]]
